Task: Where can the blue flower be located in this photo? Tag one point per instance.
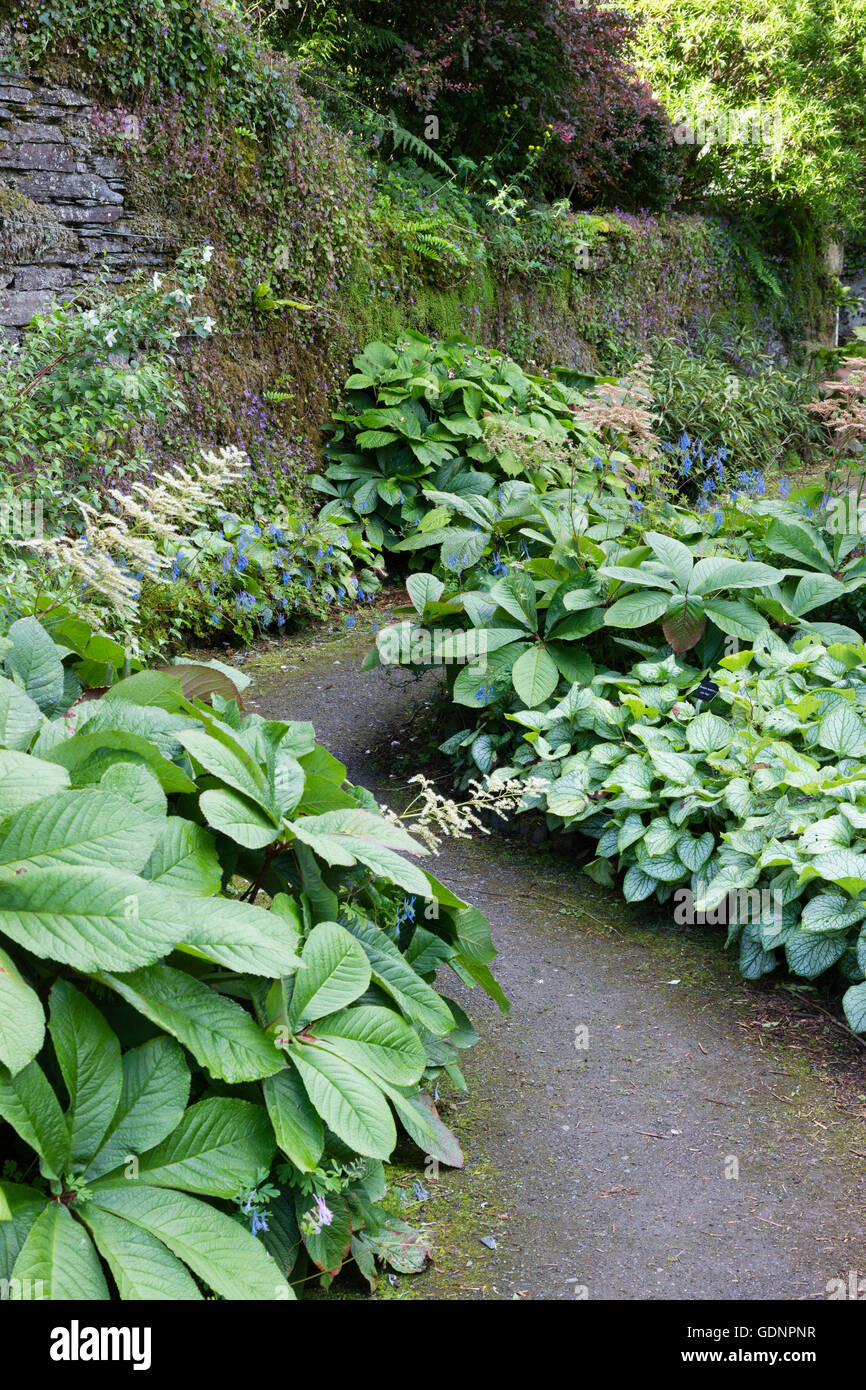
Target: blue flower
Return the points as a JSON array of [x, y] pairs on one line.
[[259, 1222]]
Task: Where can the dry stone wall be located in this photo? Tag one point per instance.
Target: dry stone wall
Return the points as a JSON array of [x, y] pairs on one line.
[[65, 212]]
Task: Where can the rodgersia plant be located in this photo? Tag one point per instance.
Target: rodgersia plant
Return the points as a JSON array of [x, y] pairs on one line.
[[241, 1004]]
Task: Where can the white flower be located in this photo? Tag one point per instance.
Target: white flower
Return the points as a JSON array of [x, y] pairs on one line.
[[206, 254], [157, 281], [110, 338]]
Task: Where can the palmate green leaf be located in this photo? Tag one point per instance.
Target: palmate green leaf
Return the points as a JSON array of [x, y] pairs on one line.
[[375, 1040], [535, 676], [20, 716], [334, 971], [296, 1121], [831, 912], [183, 859], [719, 572], [59, 1253], [350, 837], [348, 1101], [637, 885], [735, 618], [106, 746], [226, 758], [393, 974], [36, 661], [423, 1125], [142, 1267], [88, 1053], [672, 553], [214, 1246], [424, 589], [90, 917], [218, 1032], [22, 1021], [635, 610], [755, 961], [153, 1098], [241, 937], [25, 779], [217, 1150], [30, 1106], [19, 1207], [79, 827], [695, 853], [238, 817]]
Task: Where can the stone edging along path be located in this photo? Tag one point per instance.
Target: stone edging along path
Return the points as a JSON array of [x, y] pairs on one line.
[[707, 1142]]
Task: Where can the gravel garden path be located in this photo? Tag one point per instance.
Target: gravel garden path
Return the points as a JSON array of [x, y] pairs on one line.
[[707, 1142]]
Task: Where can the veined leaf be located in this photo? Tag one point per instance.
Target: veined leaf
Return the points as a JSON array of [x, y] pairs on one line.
[[334, 971], [89, 1056], [142, 1267], [153, 1098], [217, 1150], [218, 1032], [22, 1021], [348, 1101], [213, 1245], [59, 1253]]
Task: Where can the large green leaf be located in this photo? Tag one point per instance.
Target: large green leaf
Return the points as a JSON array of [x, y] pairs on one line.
[[719, 572], [375, 1039], [89, 917], [241, 937], [422, 1123], [22, 1021], [36, 661], [238, 817], [213, 1245], [142, 1267], [184, 859], [843, 732], [20, 716], [59, 1253], [19, 1207], [29, 1105], [334, 971], [735, 617], [217, 1150], [354, 836], [218, 1032], [635, 610], [672, 553], [24, 779], [535, 676], [348, 1101], [105, 746], [79, 827], [88, 1052], [393, 973], [227, 759], [152, 1101], [295, 1119]]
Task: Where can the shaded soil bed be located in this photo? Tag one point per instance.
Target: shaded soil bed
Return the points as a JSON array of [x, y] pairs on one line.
[[709, 1141]]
